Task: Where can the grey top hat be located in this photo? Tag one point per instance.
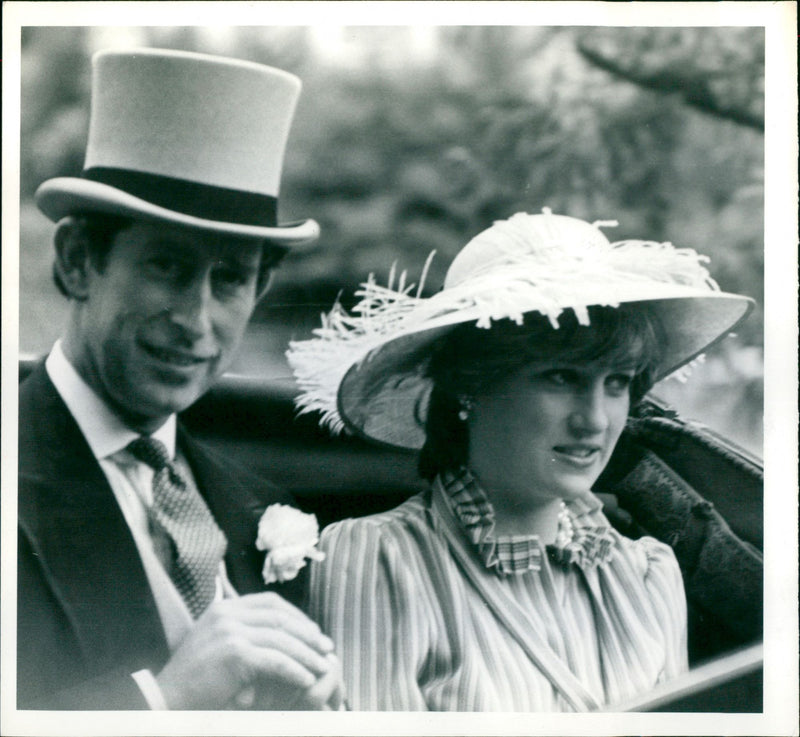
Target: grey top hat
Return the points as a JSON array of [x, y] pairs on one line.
[[186, 138]]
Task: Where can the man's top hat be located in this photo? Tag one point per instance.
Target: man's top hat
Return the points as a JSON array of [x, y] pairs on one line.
[[185, 138]]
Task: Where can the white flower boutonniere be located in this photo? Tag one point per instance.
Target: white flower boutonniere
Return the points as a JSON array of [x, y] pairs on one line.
[[290, 537]]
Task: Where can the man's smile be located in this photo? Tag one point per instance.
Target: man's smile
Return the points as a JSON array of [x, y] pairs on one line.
[[181, 359]]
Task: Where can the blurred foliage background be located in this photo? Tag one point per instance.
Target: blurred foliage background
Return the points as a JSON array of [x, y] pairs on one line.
[[409, 139]]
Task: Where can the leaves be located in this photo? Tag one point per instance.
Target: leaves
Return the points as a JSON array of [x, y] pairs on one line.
[[409, 139]]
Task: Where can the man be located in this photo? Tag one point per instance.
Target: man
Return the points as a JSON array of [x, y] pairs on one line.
[[139, 580]]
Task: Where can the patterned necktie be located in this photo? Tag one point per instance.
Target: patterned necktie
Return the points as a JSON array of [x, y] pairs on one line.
[[182, 513]]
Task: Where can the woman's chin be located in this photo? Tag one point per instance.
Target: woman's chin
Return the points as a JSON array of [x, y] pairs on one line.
[[573, 491]]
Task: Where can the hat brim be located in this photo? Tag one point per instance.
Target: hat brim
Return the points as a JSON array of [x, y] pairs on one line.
[[63, 196], [384, 397]]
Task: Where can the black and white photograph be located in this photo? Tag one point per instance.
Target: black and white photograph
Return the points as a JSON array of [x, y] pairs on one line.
[[399, 368]]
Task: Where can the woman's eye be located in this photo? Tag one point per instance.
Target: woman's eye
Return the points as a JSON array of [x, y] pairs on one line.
[[560, 377], [619, 383]]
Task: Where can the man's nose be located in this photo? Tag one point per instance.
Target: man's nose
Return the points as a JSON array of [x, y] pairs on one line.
[[590, 413], [191, 308]]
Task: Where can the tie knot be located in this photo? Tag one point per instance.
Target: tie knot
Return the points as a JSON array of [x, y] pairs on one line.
[[150, 451]]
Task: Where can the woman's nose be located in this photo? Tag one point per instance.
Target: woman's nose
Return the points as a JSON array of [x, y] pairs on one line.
[[590, 413]]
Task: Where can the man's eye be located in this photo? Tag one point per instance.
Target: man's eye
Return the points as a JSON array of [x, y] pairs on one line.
[[164, 266], [230, 278]]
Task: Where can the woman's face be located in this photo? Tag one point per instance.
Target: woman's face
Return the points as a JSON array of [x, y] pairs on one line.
[[548, 430]]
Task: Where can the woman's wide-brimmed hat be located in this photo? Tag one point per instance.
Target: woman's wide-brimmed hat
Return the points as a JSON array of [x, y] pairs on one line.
[[365, 371], [185, 138]]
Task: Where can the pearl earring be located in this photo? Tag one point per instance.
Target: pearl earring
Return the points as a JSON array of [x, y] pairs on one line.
[[466, 407]]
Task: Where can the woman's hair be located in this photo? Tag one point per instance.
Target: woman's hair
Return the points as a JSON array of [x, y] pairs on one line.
[[100, 229], [468, 361]]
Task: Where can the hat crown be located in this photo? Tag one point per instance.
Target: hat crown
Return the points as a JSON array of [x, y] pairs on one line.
[[185, 138], [205, 119], [539, 239]]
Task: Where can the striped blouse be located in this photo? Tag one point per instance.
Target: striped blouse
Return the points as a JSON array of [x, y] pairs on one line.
[[429, 611]]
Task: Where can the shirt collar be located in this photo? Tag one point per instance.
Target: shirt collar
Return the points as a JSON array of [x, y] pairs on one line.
[[104, 431], [586, 538]]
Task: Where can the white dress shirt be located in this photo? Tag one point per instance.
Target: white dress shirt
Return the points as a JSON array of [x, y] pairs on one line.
[[131, 481]]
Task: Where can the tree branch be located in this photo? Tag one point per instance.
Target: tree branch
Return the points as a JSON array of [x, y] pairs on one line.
[[693, 87]]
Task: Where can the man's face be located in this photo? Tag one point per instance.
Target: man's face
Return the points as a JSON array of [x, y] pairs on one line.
[[162, 320]]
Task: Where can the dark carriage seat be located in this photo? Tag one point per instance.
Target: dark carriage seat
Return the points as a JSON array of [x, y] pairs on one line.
[[668, 478]]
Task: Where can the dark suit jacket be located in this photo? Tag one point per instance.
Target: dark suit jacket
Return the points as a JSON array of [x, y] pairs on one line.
[[86, 616]]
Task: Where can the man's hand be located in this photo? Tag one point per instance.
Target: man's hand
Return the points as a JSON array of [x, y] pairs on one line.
[[260, 640], [327, 694]]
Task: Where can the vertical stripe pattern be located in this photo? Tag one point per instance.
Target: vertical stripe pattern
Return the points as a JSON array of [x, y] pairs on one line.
[[414, 633]]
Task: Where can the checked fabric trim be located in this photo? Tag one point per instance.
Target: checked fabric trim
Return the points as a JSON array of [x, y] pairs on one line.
[[182, 513]]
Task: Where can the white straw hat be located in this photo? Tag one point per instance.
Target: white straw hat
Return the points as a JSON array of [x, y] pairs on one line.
[[185, 138], [365, 371]]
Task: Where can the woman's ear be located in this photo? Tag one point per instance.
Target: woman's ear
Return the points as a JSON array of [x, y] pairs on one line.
[[72, 264]]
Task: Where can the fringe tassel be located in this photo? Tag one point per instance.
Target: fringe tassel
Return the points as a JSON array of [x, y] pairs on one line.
[[542, 282], [684, 373]]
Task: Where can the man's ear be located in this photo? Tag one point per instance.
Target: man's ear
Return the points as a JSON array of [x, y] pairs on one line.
[[72, 262]]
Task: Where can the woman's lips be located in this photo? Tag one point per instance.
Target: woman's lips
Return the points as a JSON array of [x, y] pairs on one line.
[[578, 454]]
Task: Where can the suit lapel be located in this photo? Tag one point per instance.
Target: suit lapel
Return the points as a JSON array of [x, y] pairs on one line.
[[237, 498], [74, 523], [69, 513], [234, 507]]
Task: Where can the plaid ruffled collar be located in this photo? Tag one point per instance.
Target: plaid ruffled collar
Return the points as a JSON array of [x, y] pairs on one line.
[[584, 536]]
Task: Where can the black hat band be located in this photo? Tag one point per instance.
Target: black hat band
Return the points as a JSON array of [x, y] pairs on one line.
[[203, 201]]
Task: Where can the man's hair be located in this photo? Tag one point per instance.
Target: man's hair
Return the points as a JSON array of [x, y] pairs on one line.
[[100, 229], [468, 361]]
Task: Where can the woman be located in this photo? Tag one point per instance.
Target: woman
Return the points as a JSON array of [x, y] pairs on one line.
[[503, 586]]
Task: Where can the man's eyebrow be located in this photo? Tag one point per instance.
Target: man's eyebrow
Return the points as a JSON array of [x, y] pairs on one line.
[[232, 261], [234, 258]]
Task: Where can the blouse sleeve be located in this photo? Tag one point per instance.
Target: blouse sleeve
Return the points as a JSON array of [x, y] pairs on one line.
[[664, 583], [362, 595]]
